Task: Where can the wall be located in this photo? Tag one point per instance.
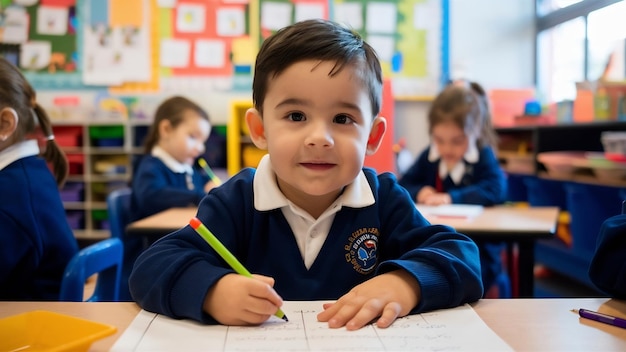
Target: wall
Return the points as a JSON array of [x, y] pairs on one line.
[[491, 42], [493, 46]]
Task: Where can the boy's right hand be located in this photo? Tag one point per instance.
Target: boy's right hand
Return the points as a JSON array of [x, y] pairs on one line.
[[239, 300]]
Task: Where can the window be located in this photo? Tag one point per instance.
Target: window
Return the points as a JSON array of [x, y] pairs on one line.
[[575, 39], [606, 33], [544, 7]]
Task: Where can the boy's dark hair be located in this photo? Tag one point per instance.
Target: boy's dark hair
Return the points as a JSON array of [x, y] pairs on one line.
[[18, 94], [465, 103], [316, 40], [172, 110]]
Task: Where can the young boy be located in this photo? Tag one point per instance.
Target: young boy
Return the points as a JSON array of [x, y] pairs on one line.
[[310, 221]]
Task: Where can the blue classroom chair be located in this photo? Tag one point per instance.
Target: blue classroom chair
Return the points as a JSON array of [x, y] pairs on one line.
[[103, 258], [118, 209]]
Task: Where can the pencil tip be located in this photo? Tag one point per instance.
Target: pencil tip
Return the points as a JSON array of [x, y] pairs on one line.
[[285, 318]]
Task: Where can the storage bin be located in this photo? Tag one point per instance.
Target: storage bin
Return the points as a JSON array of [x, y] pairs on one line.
[[589, 207], [73, 192], [76, 163], [107, 136], [545, 192], [516, 188], [76, 219], [69, 136], [100, 219]]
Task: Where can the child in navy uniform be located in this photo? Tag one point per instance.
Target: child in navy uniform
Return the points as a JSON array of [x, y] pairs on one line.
[[310, 222], [167, 175], [460, 165], [36, 242]]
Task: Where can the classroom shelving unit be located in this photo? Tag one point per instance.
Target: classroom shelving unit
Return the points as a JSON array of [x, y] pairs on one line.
[[100, 153], [586, 201], [240, 151]]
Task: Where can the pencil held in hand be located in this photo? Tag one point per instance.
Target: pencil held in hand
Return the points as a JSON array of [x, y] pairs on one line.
[[210, 238], [209, 172]]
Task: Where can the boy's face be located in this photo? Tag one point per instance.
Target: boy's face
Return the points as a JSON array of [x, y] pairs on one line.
[[317, 129], [185, 142]]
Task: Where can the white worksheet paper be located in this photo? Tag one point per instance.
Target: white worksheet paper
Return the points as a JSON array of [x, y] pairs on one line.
[[457, 329], [451, 210]]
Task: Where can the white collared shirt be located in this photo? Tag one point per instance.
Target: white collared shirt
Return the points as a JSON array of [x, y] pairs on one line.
[[18, 151], [310, 233], [458, 170], [174, 165]]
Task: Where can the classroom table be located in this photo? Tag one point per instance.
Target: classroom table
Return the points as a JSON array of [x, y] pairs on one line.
[[525, 324], [521, 226]]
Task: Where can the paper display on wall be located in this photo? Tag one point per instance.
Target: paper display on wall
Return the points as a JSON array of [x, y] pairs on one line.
[[115, 49]]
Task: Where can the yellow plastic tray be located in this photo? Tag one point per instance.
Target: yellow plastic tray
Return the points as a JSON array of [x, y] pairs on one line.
[[48, 331]]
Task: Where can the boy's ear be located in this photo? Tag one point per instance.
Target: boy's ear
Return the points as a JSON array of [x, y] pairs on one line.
[[377, 132], [256, 128], [8, 123]]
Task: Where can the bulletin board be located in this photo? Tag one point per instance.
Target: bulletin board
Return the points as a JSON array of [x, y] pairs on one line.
[[135, 45], [44, 34], [275, 14], [409, 37]]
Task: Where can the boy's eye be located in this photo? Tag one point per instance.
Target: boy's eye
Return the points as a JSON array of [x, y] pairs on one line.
[[342, 119], [296, 116]]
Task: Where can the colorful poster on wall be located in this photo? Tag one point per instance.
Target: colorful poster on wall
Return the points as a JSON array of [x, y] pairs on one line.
[[406, 35], [276, 14], [44, 34], [116, 42], [203, 37]]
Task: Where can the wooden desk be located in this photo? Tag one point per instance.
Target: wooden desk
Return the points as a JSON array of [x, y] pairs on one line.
[[525, 324], [513, 225], [160, 224]]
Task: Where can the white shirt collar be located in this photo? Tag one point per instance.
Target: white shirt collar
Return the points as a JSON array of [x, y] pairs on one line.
[[18, 151], [267, 195], [170, 162], [456, 174]]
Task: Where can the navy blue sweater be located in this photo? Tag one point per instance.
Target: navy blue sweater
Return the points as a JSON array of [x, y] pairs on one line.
[[36, 242], [157, 188], [483, 183], [173, 276], [608, 264]]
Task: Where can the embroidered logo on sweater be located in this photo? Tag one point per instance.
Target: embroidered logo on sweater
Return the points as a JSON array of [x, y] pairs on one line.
[[362, 249]]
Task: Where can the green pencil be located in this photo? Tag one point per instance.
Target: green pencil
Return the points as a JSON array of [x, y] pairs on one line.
[[208, 236], [209, 172]]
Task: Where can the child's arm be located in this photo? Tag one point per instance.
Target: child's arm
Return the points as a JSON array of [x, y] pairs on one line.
[[155, 189], [383, 298], [419, 176], [422, 267], [424, 194], [489, 187]]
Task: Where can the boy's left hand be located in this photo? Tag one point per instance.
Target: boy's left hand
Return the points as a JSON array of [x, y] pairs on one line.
[[384, 298]]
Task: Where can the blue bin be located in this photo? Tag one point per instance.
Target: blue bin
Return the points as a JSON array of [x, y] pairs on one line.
[[590, 206], [545, 192], [516, 188]]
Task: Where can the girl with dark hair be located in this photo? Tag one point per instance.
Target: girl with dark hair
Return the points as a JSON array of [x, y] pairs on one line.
[[36, 242]]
